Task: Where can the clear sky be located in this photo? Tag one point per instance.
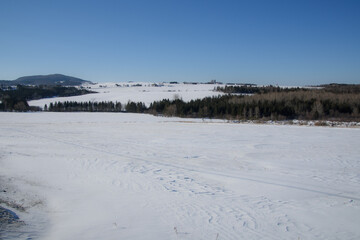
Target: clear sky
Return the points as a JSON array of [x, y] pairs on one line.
[[290, 42]]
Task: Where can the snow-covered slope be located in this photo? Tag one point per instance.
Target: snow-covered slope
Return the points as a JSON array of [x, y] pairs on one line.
[[137, 92], [132, 176]]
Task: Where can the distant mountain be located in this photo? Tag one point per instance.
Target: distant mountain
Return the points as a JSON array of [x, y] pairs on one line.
[[53, 79]]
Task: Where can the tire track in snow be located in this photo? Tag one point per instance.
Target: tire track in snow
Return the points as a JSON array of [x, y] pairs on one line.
[[202, 171], [242, 218], [218, 220]]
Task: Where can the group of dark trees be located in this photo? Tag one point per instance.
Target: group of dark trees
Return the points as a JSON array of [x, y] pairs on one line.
[[328, 102], [73, 106], [274, 103], [246, 89], [302, 104], [38, 92], [253, 89], [10, 102], [16, 99]]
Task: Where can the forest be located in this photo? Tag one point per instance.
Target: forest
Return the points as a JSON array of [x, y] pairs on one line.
[[328, 102], [16, 99], [338, 102], [302, 105]]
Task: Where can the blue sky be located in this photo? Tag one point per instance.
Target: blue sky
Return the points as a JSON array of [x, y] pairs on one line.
[[264, 42]]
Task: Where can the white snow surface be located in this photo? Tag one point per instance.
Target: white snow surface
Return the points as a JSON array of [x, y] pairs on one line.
[[146, 93], [134, 176]]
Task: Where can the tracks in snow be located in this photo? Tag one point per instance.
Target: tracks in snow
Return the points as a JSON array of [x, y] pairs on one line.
[[250, 178], [199, 206]]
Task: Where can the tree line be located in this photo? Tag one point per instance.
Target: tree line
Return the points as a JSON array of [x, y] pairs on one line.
[[302, 104], [16, 99], [73, 106], [249, 89], [330, 102], [104, 106]]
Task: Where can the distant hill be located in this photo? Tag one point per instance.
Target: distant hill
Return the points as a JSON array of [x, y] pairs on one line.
[[52, 79]]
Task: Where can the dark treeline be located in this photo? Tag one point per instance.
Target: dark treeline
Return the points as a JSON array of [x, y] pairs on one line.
[[249, 89], [135, 107], [284, 105], [72, 106], [16, 99], [342, 88], [316, 104], [38, 92], [13, 103], [330, 102]]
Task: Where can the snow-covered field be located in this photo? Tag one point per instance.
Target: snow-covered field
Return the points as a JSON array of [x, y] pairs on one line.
[[147, 93], [133, 176]]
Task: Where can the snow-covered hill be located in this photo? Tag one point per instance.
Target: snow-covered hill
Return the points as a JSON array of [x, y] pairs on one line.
[[133, 176], [138, 92]]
